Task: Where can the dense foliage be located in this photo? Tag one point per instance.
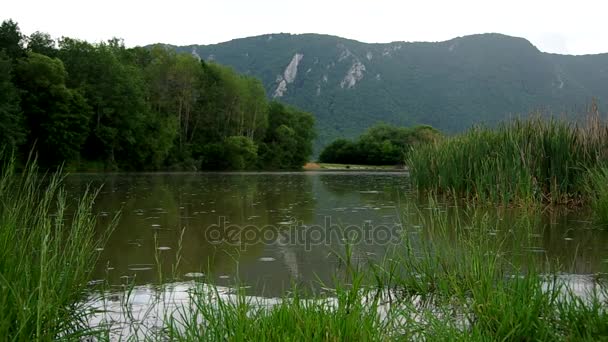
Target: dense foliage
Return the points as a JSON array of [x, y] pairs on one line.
[[449, 85], [103, 106], [380, 145], [522, 162]]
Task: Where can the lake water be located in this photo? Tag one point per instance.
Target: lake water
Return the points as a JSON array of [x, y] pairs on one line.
[[270, 230]]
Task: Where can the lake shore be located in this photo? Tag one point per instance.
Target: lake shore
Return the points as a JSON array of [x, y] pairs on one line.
[[351, 167]]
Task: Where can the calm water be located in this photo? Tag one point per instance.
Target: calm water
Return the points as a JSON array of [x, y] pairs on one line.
[[269, 230]]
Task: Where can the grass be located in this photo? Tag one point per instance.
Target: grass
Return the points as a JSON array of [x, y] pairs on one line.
[[596, 187], [47, 251], [477, 291], [345, 317], [523, 162]]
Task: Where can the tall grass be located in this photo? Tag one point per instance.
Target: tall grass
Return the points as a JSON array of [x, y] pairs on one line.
[[522, 162], [47, 251], [473, 288], [596, 186], [347, 317]]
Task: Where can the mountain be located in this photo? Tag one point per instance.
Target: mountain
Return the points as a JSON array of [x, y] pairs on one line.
[[451, 85]]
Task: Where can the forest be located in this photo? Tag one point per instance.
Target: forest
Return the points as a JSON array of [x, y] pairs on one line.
[[102, 106]]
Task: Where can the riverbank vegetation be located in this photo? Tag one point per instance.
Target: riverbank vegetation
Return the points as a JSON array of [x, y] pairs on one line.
[[106, 107], [380, 145], [48, 249], [522, 162], [453, 276]]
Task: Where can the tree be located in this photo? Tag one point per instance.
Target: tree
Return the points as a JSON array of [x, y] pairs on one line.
[[381, 144], [241, 153], [11, 40], [341, 151], [57, 117], [174, 82], [288, 141], [42, 43], [12, 130]]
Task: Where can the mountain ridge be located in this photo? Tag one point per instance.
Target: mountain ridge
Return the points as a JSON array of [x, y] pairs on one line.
[[453, 84], [376, 43]]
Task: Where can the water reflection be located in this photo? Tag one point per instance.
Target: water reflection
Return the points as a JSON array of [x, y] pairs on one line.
[[169, 226]]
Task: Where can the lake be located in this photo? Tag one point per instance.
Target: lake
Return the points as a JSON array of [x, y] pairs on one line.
[[271, 230]]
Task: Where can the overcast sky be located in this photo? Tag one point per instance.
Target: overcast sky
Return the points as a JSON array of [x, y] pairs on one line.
[[573, 27]]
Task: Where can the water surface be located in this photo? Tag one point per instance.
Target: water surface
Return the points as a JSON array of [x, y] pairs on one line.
[[271, 230]]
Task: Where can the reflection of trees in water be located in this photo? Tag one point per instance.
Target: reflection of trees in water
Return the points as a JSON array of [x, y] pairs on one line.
[[197, 201], [389, 186], [166, 204], [257, 201], [551, 239]]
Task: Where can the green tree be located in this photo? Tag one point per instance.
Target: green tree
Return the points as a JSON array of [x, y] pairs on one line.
[[288, 141], [341, 151], [11, 40], [381, 144], [241, 153], [174, 83], [12, 130], [42, 43], [57, 117]]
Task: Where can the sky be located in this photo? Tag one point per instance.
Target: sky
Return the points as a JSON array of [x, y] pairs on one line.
[[567, 27]]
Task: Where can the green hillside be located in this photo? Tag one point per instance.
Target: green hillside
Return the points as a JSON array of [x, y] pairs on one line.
[[450, 85]]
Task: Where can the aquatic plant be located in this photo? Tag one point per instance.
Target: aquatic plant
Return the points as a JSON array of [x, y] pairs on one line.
[[596, 188], [48, 247], [522, 162]]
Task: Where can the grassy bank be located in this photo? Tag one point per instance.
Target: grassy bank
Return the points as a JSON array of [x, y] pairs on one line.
[[521, 162], [47, 251]]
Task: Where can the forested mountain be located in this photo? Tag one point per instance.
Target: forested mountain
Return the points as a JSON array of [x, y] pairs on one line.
[[450, 85]]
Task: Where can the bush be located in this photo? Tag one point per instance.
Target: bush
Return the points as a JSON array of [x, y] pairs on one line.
[[380, 145]]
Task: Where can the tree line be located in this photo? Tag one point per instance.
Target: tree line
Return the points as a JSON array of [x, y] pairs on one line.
[[381, 144], [107, 107]]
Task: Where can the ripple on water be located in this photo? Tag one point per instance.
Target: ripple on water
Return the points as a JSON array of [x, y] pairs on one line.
[[194, 275], [266, 259], [143, 268]]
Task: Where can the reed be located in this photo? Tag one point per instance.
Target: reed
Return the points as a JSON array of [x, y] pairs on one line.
[[521, 162], [596, 186], [47, 251]]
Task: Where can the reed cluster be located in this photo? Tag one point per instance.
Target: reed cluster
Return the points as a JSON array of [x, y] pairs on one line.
[[48, 247], [522, 162]]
